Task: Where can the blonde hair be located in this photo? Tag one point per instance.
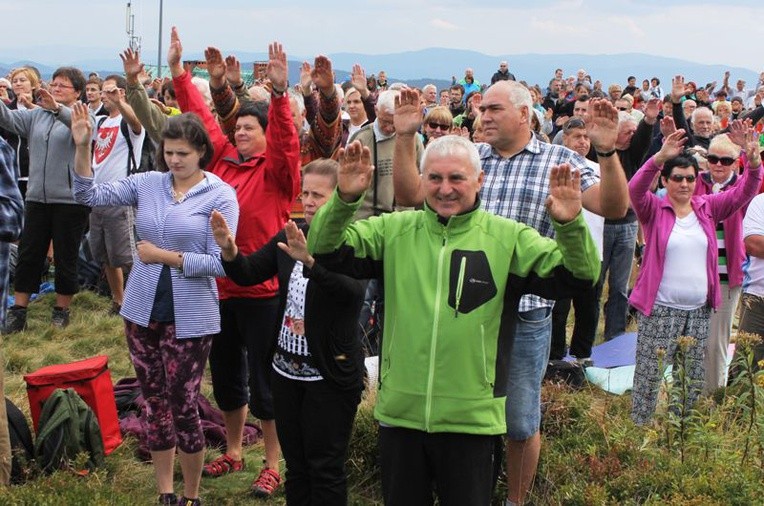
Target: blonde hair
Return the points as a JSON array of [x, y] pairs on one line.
[[29, 73], [722, 142]]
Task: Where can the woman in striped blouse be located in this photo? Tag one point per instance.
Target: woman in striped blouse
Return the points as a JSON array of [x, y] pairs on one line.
[[170, 308]]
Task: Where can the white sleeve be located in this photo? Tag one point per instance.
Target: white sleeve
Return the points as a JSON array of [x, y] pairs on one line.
[[753, 223]]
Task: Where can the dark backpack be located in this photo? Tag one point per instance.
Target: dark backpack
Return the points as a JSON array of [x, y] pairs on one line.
[[22, 447], [148, 153], [68, 427]]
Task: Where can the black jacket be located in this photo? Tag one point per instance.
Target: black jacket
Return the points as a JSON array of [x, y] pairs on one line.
[[332, 305]]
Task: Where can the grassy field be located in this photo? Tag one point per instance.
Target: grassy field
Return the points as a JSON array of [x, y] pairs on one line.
[[592, 453]]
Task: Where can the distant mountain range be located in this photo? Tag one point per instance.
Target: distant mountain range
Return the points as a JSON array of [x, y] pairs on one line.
[[438, 65]]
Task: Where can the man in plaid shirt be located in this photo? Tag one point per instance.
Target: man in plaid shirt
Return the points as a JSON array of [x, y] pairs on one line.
[[11, 214], [517, 167]]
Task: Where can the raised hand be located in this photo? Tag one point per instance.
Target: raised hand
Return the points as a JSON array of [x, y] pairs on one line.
[[602, 124], [131, 63], [216, 66], [408, 112], [82, 129], [677, 89], [233, 70], [673, 145], [277, 68], [223, 236], [752, 148], [652, 108], [159, 105], [111, 97], [358, 79], [668, 126], [26, 100], [296, 245], [47, 101], [322, 75], [305, 80], [175, 51], [564, 201], [738, 130], [355, 173]]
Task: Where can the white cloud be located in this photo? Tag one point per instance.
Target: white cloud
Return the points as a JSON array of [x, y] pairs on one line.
[[443, 24]]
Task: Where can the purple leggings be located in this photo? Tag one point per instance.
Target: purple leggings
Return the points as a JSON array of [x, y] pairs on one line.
[[170, 372]]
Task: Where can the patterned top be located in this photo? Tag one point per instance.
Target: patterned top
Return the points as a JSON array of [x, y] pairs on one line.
[[292, 357], [11, 215], [181, 226], [517, 188]]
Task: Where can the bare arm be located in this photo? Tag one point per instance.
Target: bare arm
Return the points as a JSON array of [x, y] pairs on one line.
[[407, 183]]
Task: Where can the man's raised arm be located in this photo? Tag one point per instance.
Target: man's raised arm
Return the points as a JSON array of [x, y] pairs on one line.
[[407, 183]]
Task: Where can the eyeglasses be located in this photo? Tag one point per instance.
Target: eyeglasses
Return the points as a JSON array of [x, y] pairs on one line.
[[436, 126], [622, 108], [724, 160], [60, 85], [678, 178]]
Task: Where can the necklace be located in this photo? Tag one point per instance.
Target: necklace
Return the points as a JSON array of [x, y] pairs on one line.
[[177, 196]]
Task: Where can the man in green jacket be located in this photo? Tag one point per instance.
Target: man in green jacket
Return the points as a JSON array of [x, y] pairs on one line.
[[454, 275]]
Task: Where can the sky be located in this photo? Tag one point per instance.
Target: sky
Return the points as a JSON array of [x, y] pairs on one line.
[[56, 32]]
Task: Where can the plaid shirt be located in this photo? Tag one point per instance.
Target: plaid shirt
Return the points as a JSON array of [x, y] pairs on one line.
[[11, 216], [518, 187]]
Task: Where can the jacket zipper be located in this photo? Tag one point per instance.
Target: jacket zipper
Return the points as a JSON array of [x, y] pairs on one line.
[[460, 285], [434, 337]]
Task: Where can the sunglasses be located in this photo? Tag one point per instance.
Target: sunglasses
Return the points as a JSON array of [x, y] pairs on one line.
[[436, 126], [573, 123], [622, 108], [724, 160], [678, 178]]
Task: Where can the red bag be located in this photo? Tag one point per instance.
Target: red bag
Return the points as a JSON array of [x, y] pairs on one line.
[[91, 379]]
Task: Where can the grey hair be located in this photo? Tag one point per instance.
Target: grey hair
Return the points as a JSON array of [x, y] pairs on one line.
[[519, 96], [203, 86], [429, 86], [451, 145], [624, 117], [259, 94], [702, 110], [297, 97], [386, 101]]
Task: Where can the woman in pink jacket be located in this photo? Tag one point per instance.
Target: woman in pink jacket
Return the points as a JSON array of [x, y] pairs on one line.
[[678, 283]]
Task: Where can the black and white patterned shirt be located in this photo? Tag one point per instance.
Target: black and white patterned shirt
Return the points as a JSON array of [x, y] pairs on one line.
[[518, 187]]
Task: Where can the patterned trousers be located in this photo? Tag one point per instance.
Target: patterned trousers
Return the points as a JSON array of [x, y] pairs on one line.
[[660, 331]]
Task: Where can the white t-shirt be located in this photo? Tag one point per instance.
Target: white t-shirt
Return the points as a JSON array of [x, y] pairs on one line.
[[684, 284], [110, 151], [595, 222], [753, 267]]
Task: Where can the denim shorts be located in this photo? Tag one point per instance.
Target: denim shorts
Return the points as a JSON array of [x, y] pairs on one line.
[[527, 365]]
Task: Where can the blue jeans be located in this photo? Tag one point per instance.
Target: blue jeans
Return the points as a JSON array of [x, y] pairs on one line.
[[617, 255], [527, 365]]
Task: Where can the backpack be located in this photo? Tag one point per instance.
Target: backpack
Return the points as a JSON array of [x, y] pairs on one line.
[[22, 447], [148, 152], [68, 427]]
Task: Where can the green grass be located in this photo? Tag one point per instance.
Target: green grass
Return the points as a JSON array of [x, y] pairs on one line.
[[592, 453]]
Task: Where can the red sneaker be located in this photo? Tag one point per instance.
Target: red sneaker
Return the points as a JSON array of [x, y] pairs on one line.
[[222, 465]]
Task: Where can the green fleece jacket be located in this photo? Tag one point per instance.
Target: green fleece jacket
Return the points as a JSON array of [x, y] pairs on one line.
[[451, 294]]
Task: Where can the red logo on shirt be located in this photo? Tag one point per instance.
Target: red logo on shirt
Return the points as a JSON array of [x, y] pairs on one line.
[[104, 143]]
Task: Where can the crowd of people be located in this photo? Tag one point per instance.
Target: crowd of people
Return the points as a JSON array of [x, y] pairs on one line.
[[253, 228]]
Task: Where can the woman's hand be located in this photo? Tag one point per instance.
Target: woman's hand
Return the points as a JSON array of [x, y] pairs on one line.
[[297, 246], [673, 146], [82, 129], [223, 236]]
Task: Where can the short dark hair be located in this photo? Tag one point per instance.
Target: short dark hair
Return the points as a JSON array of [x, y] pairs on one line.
[[120, 81], [630, 78], [95, 80], [75, 76], [457, 87], [187, 127], [257, 109], [657, 81], [168, 87], [683, 160]]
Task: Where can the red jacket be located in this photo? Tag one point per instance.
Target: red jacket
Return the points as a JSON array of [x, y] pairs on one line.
[[266, 184]]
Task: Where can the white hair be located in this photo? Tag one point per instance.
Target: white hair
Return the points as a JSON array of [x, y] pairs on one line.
[[624, 117], [203, 86], [451, 145], [259, 93], [398, 86], [518, 95], [299, 99], [386, 101], [429, 87], [702, 110]]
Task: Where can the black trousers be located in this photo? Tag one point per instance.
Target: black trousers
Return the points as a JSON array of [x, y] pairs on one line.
[[64, 224], [314, 421], [461, 466], [587, 314]]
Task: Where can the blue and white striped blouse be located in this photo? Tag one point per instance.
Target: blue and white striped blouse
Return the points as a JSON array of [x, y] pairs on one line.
[[174, 226]]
